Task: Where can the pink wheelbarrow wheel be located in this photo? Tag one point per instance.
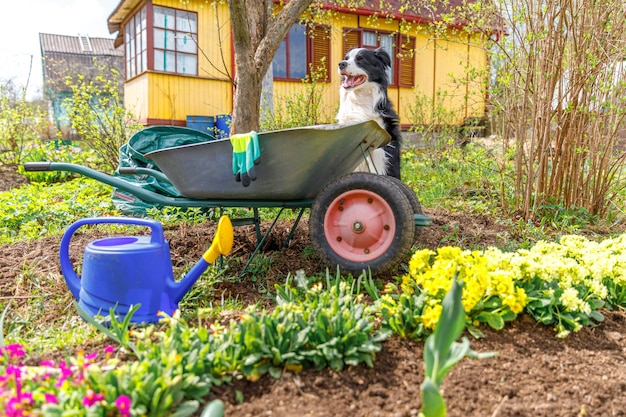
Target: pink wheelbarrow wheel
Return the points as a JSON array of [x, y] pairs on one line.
[[362, 221]]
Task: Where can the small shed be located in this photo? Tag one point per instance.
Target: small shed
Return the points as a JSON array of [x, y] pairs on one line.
[[64, 56]]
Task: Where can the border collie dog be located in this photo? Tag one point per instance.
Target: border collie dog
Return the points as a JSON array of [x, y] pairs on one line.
[[364, 97]]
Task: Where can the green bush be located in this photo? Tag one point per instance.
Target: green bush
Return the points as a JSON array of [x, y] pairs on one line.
[[299, 109], [38, 209], [21, 123], [54, 152], [97, 112]]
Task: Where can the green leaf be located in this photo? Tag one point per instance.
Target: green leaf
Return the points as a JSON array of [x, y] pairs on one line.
[[449, 328], [433, 404], [276, 373], [452, 320], [475, 332], [429, 356], [597, 316], [508, 315], [119, 331], [252, 358], [495, 321], [456, 353], [186, 409], [4, 313], [493, 303], [214, 409]]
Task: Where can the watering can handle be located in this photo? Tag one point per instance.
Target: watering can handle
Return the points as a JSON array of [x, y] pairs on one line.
[[73, 281]]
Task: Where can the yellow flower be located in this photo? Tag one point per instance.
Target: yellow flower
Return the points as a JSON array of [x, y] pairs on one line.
[[420, 261], [408, 285], [571, 302], [431, 315], [516, 301]]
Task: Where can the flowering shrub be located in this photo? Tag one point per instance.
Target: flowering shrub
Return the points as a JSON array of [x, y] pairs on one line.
[[490, 294], [177, 365], [49, 389], [561, 284], [567, 282]]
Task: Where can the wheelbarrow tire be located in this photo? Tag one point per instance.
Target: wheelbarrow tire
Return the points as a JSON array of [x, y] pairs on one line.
[[413, 200], [362, 221]]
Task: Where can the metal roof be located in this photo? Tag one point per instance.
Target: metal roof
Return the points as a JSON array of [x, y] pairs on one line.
[[80, 44], [412, 11]]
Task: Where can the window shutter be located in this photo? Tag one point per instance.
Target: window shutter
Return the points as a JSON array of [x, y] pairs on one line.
[[320, 51], [351, 39], [406, 72]]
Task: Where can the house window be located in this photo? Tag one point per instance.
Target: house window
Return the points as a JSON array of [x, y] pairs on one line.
[[175, 48], [303, 49], [399, 47], [161, 39], [136, 44]]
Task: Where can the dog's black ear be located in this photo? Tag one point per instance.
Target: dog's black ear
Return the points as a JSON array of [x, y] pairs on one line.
[[383, 56]]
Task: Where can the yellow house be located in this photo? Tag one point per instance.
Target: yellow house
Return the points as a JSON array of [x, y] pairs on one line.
[[179, 59]]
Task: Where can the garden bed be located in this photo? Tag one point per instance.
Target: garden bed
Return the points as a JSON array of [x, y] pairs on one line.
[[535, 373]]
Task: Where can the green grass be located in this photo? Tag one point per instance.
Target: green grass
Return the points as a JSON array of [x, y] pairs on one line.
[[458, 179]]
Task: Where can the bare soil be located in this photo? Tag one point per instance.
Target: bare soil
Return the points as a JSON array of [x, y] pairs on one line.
[[535, 374]]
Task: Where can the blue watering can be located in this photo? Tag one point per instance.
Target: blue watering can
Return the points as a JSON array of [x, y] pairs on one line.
[[119, 272]]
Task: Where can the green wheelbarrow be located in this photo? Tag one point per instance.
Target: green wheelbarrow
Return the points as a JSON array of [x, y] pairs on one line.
[[358, 220]]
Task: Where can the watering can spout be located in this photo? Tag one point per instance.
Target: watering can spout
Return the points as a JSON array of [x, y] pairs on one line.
[[221, 245]]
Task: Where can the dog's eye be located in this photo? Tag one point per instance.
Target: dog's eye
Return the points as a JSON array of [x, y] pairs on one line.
[[359, 58]]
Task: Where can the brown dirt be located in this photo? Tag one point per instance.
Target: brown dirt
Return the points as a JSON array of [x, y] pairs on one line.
[[535, 374]]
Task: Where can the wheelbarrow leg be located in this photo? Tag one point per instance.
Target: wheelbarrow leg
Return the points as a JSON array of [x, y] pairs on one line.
[[293, 228], [262, 240]]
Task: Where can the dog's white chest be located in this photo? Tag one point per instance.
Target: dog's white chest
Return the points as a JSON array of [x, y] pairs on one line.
[[360, 105]]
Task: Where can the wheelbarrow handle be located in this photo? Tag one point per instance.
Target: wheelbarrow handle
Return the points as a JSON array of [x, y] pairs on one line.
[[143, 171], [37, 166], [126, 170]]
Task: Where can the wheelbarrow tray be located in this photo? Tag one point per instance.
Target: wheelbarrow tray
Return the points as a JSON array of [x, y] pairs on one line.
[[295, 164]]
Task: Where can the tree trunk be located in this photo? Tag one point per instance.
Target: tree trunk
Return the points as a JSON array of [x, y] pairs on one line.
[[257, 35]]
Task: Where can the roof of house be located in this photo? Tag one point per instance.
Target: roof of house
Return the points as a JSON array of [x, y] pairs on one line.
[[400, 9], [64, 56], [80, 45], [426, 12]]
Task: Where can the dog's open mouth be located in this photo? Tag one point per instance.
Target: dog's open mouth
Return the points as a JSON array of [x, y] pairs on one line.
[[350, 81]]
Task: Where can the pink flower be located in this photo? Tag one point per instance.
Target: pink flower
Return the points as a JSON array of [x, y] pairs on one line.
[[91, 357], [109, 350], [123, 405], [14, 350], [14, 370], [14, 408], [44, 376], [51, 398], [91, 398], [26, 398], [66, 372]]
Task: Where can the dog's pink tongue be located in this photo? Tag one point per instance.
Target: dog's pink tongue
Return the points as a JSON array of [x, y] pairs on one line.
[[352, 81]]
